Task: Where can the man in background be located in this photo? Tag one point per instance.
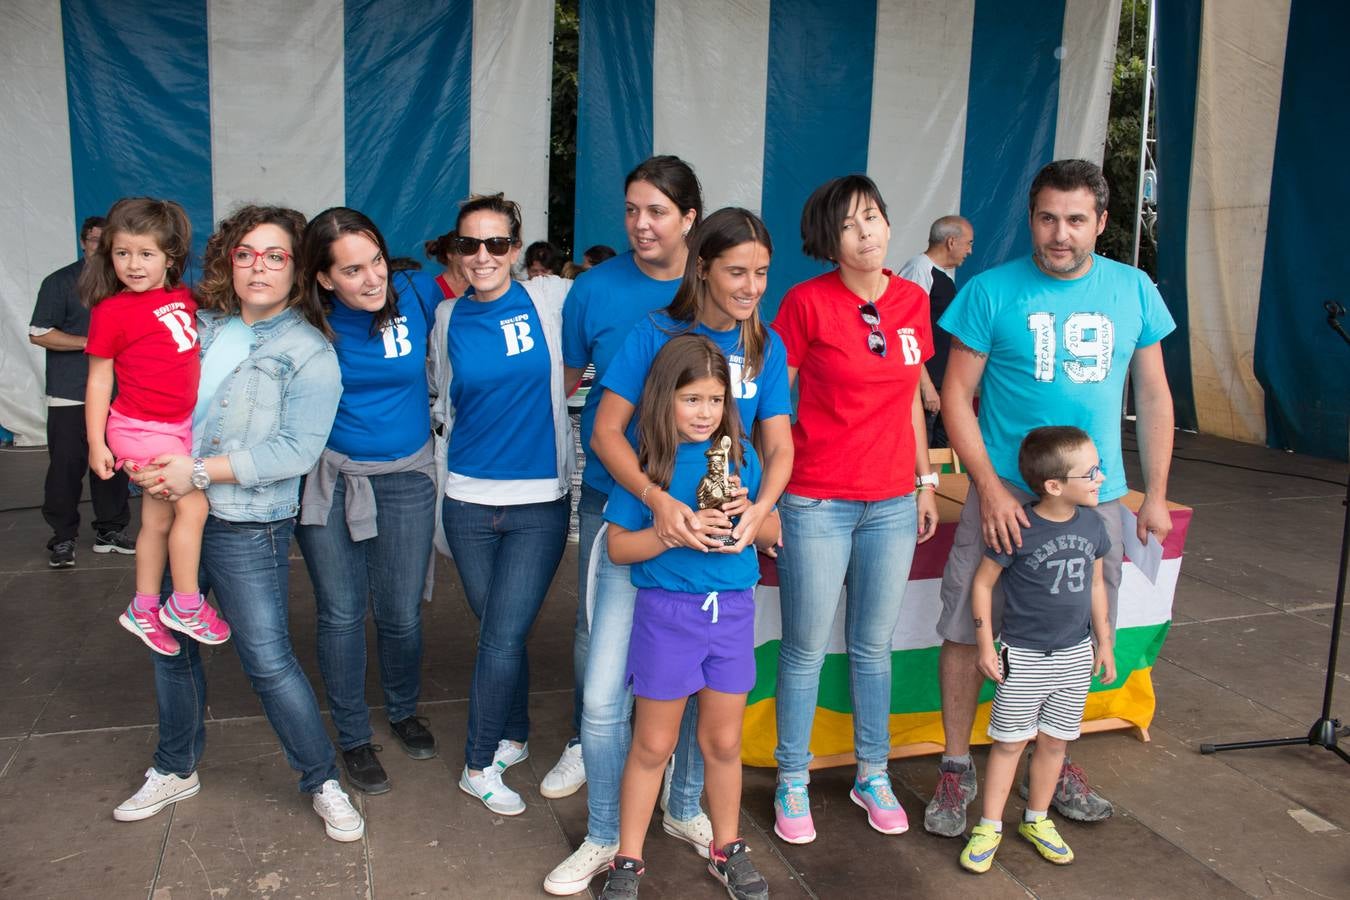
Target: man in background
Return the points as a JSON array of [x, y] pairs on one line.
[[60, 325], [950, 240]]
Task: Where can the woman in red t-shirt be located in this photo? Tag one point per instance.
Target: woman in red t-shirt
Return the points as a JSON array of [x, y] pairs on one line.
[[142, 329], [452, 281], [856, 340]]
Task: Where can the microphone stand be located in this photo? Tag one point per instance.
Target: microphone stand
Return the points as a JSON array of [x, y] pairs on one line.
[[1324, 731]]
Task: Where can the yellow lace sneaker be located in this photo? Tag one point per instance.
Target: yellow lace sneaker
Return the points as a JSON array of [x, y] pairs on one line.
[[1044, 836]]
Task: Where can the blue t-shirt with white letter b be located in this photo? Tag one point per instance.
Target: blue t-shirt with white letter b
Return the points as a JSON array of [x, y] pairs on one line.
[[1058, 352], [384, 413], [501, 389]]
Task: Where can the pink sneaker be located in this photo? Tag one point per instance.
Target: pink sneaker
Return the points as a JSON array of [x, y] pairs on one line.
[[147, 627], [201, 624], [792, 813], [884, 812]]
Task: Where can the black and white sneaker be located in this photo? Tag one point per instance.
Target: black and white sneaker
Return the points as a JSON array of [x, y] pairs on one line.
[[114, 542], [624, 875], [63, 555], [731, 865]]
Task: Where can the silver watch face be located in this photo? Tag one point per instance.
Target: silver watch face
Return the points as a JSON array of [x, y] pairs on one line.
[[200, 481]]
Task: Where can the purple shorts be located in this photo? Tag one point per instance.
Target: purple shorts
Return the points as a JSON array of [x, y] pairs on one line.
[[683, 643]]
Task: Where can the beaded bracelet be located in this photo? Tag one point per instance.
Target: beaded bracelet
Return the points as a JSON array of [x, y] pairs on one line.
[[642, 498]]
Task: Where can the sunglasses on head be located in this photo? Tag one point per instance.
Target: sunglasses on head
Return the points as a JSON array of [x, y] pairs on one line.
[[876, 340], [468, 246]]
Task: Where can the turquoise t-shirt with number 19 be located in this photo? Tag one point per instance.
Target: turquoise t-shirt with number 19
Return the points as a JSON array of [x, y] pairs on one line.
[[1058, 353]]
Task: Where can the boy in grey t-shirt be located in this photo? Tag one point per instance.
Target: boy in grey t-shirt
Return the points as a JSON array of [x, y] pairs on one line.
[[1054, 611]]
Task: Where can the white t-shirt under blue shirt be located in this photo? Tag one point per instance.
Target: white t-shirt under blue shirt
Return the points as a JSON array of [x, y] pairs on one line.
[[501, 390], [764, 396], [1058, 352], [384, 413]]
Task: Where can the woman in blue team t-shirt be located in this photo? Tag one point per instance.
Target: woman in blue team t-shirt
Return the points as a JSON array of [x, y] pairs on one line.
[[506, 458], [368, 510]]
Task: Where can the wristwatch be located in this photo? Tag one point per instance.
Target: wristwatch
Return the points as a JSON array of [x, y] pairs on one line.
[[931, 479], [200, 480]]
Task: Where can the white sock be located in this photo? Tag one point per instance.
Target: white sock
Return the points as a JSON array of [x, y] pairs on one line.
[[957, 760], [996, 823], [1031, 815]]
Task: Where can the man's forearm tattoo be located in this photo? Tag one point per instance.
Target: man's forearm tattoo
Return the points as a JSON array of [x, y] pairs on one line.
[[958, 345]]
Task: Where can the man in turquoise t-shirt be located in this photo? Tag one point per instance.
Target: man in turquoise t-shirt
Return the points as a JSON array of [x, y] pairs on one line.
[[1048, 339]]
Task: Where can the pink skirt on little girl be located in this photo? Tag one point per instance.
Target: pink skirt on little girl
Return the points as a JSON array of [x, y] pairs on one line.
[[138, 441]]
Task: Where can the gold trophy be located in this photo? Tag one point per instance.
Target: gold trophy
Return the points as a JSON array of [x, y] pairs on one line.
[[714, 488]]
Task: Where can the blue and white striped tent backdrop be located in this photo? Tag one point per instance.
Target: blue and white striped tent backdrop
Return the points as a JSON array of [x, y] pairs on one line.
[[397, 107], [950, 105], [1253, 186]]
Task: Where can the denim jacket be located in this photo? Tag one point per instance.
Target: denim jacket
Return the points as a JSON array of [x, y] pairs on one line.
[[271, 416]]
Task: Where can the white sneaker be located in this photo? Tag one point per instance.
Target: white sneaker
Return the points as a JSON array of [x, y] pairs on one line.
[[697, 832], [567, 775], [489, 788], [574, 874], [340, 818], [157, 792], [508, 754]]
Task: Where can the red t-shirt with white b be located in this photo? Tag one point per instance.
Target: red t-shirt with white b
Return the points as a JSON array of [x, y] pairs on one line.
[[151, 337], [853, 438]]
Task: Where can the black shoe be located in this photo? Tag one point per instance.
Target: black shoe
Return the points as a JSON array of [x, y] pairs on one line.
[[732, 866], [624, 875], [413, 735], [63, 555], [364, 771], [114, 542]]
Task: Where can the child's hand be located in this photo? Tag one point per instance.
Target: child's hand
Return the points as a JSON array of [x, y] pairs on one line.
[[1104, 663], [716, 524], [101, 460], [740, 498], [990, 666]]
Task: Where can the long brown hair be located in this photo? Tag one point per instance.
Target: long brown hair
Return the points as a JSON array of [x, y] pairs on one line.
[[164, 220], [682, 361], [216, 289], [720, 232], [320, 234]]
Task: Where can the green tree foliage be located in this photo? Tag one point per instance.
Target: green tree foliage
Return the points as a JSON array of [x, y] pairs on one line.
[[562, 164], [1121, 163]]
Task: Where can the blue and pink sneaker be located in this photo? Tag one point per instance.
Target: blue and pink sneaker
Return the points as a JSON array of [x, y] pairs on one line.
[[792, 812], [201, 624], [884, 812], [145, 624]]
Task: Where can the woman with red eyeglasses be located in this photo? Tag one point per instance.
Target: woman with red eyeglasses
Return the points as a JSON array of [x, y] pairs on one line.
[[505, 460], [861, 492], [368, 508]]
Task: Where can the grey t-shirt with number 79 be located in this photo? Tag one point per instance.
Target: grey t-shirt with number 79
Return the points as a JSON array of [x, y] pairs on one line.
[[1047, 582]]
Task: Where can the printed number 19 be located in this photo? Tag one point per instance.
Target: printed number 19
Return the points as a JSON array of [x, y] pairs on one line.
[[1088, 337]]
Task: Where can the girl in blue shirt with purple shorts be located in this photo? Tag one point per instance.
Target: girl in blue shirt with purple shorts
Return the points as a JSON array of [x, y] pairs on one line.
[[694, 620]]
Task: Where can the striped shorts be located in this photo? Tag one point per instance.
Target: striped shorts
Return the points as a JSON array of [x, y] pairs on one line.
[[1041, 691]]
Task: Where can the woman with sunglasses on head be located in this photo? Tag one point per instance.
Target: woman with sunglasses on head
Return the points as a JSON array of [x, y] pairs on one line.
[[368, 508], [269, 389], [861, 492], [505, 456], [662, 203]]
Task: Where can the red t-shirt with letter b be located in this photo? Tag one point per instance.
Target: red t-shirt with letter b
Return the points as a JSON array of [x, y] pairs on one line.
[[151, 337], [853, 438]]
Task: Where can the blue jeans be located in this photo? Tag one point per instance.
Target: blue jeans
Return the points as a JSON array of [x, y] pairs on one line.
[[244, 566], [506, 557], [591, 515], [827, 543], [606, 732], [385, 573]]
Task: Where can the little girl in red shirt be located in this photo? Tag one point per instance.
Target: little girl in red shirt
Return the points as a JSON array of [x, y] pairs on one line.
[[142, 329]]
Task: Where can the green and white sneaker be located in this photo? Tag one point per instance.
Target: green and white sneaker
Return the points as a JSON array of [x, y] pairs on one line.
[[489, 788]]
